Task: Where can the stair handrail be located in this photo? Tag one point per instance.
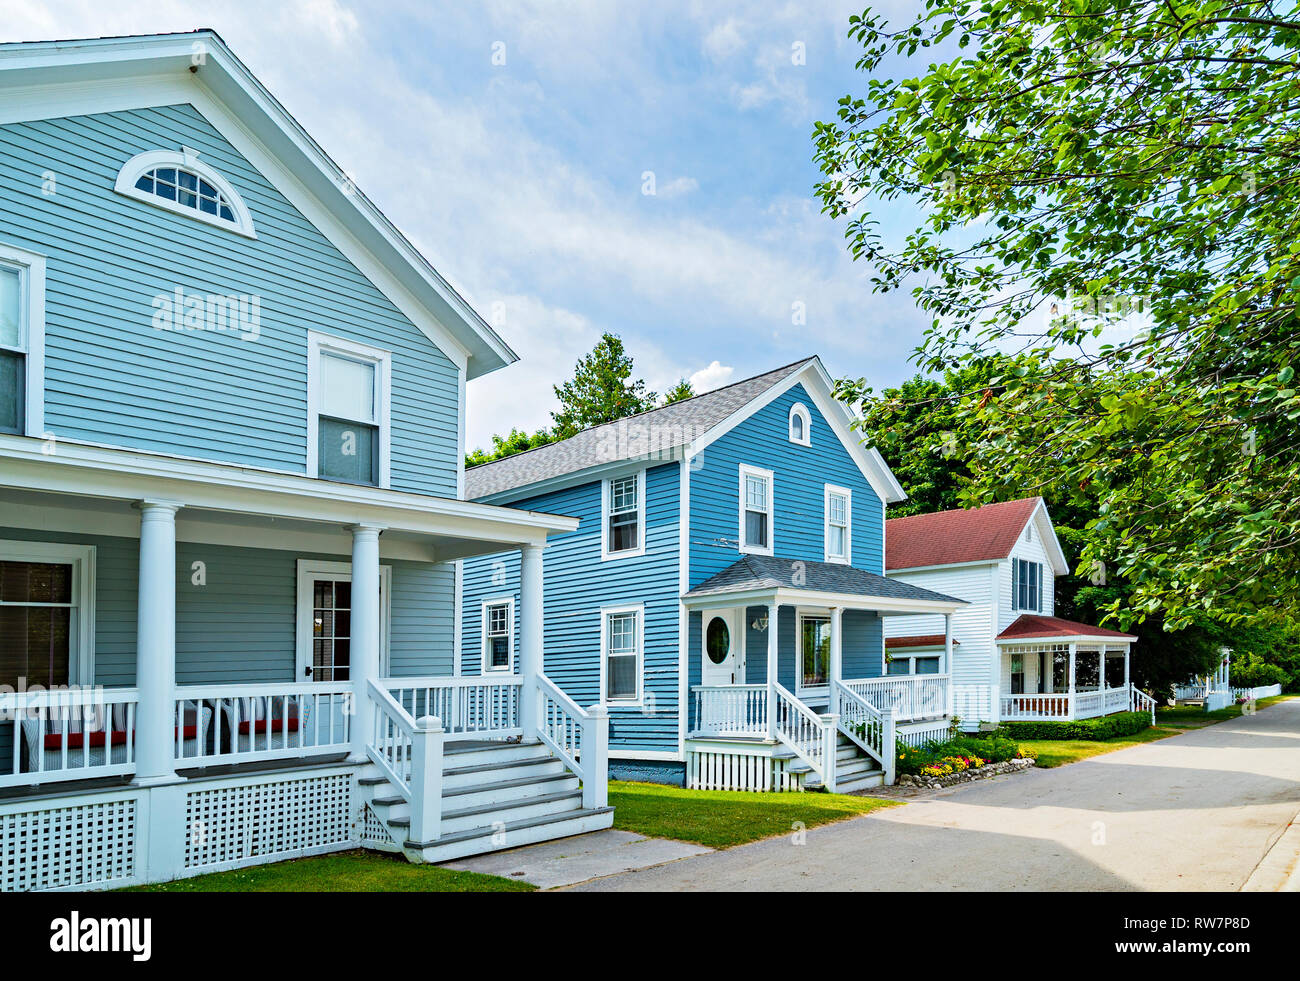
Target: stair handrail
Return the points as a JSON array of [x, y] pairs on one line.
[[409, 753], [1140, 701], [579, 737], [805, 733], [878, 736]]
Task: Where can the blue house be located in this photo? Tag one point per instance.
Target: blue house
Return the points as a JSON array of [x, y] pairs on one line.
[[231, 500], [723, 595]]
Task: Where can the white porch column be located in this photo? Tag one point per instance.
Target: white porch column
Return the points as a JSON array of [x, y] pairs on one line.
[[155, 646], [773, 659], [1101, 669], [364, 664], [531, 633], [836, 667], [1127, 682], [947, 662], [1071, 689]]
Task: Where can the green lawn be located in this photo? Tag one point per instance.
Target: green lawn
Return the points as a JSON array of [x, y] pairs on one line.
[[722, 818], [356, 871]]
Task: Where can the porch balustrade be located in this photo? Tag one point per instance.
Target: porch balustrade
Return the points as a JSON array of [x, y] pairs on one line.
[[910, 697], [731, 710], [1063, 706]]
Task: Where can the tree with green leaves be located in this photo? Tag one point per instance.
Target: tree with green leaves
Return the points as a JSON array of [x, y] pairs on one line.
[[1108, 191], [602, 389], [517, 441], [680, 392]]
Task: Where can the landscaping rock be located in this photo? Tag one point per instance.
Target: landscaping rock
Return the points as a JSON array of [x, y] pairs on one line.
[[976, 773]]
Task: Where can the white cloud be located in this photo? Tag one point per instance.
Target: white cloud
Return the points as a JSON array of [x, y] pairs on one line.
[[714, 376], [724, 40]]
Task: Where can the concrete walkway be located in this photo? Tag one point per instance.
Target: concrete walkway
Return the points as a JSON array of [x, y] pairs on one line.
[[1198, 811]]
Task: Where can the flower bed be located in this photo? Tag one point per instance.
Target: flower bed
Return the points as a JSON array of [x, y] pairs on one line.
[[934, 776], [958, 759]]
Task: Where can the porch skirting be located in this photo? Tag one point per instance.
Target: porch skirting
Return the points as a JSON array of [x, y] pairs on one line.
[[737, 765], [130, 835]]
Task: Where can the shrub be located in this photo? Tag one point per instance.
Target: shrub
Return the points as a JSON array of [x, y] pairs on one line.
[[953, 755], [1251, 672], [1106, 727], [995, 749]]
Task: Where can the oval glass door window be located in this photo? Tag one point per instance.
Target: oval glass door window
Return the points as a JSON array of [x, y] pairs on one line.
[[717, 641]]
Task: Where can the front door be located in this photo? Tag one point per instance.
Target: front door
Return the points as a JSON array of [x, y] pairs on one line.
[[324, 643], [723, 653]]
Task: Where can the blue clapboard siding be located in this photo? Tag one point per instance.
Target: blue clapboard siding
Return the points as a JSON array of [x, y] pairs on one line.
[[113, 378], [240, 626], [800, 476], [578, 584]]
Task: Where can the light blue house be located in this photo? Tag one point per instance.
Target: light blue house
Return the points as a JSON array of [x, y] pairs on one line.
[[231, 441], [722, 596]]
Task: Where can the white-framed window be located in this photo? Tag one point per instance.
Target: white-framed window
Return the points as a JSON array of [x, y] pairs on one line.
[[22, 341], [181, 183], [324, 633], [757, 527], [1026, 585], [622, 638], [839, 524], [623, 507], [914, 663], [349, 399], [498, 635], [47, 614], [814, 652], [800, 425]]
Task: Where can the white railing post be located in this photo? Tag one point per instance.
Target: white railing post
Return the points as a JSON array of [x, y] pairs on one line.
[[773, 663], [531, 632], [155, 651], [947, 663], [888, 742], [426, 779], [831, 736], [364, 664], [595, 757], [837, 655]]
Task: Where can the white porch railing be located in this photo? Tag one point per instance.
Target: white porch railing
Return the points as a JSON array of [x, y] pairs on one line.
[[580, 738], [912, 696], [471, 707], [869, 727], [810, 736], [409, 753], [731, 710], [68, 735], [233, 723], [1196, 690], [1066, 707], [1140, 701]]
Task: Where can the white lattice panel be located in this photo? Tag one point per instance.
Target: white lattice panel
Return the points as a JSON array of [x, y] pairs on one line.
[[70, 846], [246, 823], [373, 831]]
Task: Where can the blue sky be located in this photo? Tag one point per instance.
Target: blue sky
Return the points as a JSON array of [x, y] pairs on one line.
[[524, 181]]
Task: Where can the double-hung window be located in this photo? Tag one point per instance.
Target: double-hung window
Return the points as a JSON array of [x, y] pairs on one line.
[[348, 428], [46, 614], [22, 336], [839, 509], [498, 635], [908, 664], [624, 527], [756, 510], [1026, 585], [621, 644]]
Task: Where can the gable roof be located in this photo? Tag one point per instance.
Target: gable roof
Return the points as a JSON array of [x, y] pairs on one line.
[[756, 573], [54, 79], [1030, 626], [672, 431], [983, 534]]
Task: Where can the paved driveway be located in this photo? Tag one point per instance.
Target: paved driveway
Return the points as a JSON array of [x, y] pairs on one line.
[[1193, 812]]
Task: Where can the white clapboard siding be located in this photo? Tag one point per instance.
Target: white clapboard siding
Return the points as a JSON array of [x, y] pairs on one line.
[[972, 626]]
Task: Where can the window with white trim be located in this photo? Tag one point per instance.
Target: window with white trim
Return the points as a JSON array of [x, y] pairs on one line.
[[621, 644], [838, 530], [908, 664], [22, 341], [800, 425], [46, 614], [814, 651], [756, 510], [498, 635], [1026, 585], [348, 411], [181, 183], [624, 525]]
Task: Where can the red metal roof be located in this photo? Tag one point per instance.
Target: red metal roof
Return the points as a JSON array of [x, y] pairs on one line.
[[918, 640], [950, 537], [1029, 626]]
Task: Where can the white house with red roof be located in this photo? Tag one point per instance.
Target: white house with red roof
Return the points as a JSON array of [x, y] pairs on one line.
[[1012, 659]]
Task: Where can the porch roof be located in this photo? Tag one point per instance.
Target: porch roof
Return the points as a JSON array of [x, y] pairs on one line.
[[1033, 627], [917, 640], [767, 578]]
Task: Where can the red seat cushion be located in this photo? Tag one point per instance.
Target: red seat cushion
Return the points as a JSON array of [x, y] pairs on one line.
[[54, 740], [277, 725]]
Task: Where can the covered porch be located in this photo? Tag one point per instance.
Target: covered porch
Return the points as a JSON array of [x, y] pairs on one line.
[[202, 660], [791, 654], [1059, 670]]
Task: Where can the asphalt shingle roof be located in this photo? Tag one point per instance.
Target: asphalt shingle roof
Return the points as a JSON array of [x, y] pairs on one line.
[[949, 537], [762, 572], [659, 430]]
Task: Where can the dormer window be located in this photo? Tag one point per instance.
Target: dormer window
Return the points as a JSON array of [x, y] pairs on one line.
[[800, 425], [181, 183]]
